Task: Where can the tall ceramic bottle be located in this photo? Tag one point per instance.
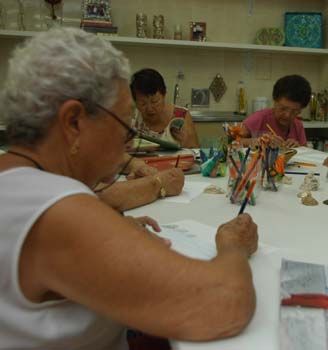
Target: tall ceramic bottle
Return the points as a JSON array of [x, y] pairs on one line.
[[241, 98]]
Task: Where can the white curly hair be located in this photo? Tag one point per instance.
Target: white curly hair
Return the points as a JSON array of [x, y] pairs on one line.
[[52, 67]]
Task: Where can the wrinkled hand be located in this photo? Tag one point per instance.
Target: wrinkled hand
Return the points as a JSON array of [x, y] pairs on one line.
[[271, 140], [172, 180], [240, 232], [146, 220], [142, 223], [290, 143], [277, 141], [140, 169]]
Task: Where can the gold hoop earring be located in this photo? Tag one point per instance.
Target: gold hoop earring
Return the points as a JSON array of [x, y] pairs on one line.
[[75, 148]]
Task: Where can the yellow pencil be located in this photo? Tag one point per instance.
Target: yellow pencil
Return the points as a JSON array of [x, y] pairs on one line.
[[269, 127]]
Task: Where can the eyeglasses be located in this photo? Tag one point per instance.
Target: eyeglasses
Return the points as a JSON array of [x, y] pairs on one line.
[[285, 109], [131, 133]]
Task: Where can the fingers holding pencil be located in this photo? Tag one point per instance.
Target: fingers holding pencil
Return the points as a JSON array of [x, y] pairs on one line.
[[248, 196], [275, 139]]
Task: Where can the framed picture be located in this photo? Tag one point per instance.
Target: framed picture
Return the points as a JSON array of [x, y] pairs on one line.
[[96, 10], [198, 31], [304, 29]]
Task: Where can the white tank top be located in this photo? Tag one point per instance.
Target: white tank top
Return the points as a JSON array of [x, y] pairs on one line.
[[26, 193]]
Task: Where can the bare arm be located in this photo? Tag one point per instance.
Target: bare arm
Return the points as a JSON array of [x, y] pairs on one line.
[[134, 193], [109, 264], [136, 167], [325, 162]]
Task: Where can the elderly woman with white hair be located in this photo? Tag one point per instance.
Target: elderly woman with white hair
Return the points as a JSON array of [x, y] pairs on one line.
[[74, 271]]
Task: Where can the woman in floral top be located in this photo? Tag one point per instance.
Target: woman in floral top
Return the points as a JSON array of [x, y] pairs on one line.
[[156, 117]]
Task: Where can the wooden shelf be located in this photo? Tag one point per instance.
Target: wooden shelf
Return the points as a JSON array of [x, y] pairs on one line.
[[132, 41]]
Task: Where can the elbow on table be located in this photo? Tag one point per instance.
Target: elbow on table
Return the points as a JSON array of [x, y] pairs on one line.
[[224, 320]]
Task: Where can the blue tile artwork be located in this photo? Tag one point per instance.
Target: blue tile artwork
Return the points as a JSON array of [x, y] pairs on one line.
[[303, 29]]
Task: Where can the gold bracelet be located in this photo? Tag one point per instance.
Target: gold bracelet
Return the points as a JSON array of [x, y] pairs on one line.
[[162, 191]]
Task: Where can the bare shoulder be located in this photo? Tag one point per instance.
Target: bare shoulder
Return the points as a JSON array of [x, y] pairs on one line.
[[68, 245], [78, 216]]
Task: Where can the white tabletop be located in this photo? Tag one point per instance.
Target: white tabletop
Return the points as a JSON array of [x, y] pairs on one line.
[[298, 232]]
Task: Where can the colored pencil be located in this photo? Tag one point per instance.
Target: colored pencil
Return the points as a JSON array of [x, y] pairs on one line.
[[247, 197], [300, 173], [240, 173], [302, 164], [177, 162], [269, 127], [245, 178]]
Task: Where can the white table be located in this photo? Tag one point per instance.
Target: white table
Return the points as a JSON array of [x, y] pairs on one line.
[[299, 232]]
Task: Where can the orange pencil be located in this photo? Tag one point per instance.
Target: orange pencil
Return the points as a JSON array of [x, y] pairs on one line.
[[247, 197], [269, 127]]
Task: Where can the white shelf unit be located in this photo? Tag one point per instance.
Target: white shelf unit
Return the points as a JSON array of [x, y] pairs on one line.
[[168, 43], [133, 41], [315, 125]]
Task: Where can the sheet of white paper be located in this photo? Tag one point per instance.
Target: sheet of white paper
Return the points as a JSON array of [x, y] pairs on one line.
[[309, 155], [191, 238], [317, 158], [197, 240], [190, 191]]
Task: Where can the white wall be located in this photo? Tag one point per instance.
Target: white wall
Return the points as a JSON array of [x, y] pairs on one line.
[[227, 21]]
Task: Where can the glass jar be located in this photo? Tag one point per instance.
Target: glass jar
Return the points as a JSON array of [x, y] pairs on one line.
[[51, 14], [272, 169], [141, 25], [177, 32], [243, 169]]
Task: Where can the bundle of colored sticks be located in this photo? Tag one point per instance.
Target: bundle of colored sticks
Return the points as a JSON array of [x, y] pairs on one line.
[[244, 168], [272, 168]]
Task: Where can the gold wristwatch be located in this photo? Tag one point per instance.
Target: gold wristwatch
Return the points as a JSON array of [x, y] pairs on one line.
[[162, 191]]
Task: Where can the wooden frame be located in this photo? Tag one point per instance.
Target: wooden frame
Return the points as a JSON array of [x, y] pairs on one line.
[[198, 31]]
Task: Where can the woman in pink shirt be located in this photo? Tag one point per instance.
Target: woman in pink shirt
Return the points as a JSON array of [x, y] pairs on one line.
[[290, 95]]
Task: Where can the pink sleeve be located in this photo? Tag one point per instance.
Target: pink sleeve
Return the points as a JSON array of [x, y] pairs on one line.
[[301, 133], [253, 122]]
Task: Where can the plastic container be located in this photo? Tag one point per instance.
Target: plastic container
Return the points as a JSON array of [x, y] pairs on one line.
[[260, 103]]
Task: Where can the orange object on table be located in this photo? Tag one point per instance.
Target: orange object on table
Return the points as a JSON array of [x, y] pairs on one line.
[[307, 300], [186, 161]]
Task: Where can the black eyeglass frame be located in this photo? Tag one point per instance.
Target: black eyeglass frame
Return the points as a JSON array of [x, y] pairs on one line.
[[131, 132]]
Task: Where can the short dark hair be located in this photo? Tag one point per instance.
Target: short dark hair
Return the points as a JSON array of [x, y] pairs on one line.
[[294, 88], [147, 82]]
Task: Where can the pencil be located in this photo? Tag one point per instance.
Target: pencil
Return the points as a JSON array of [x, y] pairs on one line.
[[300, 173], [240, 173], [234, 164], [177, 162], [269, 127], [245, 178], [247, 197], [303, 164]]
